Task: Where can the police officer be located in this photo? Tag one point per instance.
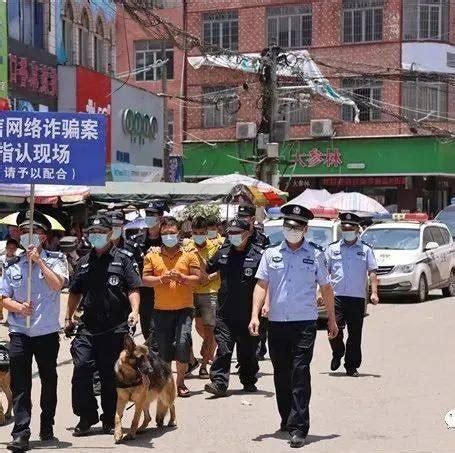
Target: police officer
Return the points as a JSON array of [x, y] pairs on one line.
[[106, 283], [350, 261], [40, 340], [118, 220], [290, 273], [237, 262]]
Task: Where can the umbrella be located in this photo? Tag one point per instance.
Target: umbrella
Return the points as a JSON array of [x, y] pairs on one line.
[[44, 193], [311, 198], [354, 201], [11, 219], [137, 224]]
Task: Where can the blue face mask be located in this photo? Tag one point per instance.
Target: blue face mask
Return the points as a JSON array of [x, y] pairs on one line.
[[170, 240], [116, 233], [199, 239], [151, 221], [349, 236], [236, 239], [98, 240], [36, 241]]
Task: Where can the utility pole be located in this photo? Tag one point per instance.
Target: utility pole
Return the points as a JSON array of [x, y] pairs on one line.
[[166, 172], [268, 166]]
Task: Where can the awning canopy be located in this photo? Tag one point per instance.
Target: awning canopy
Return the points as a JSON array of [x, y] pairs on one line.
[[44, 193]]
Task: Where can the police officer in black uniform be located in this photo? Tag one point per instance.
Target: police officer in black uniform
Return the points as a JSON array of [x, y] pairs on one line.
[[118, 220], [106, 283], [237, 262]]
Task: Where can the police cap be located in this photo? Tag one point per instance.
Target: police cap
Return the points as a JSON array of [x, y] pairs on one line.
[[39, 220], [99, 221], [294, 213], [237, 224], [246, 210], [156, 208], [349, 219], [117, 217]]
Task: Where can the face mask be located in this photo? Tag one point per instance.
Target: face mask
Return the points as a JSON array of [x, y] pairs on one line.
[[236, 239], [170, 240], [151, 221], [199, 239], [349, 236], [293, 236], [98, 240], [36, 240], [116, 233], [212, 234]]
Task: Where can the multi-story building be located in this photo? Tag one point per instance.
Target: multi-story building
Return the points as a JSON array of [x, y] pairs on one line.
[[371, 50]]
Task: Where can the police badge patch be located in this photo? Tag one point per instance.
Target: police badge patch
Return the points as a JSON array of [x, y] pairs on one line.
[[248, 272], [296, 210], [114, 280]]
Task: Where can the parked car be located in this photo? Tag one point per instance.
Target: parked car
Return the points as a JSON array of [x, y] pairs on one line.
[[447, 216]]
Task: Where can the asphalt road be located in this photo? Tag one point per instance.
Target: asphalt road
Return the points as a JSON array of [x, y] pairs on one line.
[[397, 404]]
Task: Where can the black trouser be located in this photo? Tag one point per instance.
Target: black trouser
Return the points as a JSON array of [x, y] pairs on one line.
[[92, 353], [291, 350], [227, 335], [262, 346], [22, 350], [349, 311], [146, 309]]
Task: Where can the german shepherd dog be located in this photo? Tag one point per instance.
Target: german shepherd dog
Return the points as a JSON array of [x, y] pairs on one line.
[[5, 384], [142, 377]]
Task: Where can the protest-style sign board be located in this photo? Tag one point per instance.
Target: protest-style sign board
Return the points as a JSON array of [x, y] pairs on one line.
[[51, 148]]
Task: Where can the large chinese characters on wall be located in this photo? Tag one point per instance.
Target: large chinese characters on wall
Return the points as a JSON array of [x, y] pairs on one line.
[[52, 148]]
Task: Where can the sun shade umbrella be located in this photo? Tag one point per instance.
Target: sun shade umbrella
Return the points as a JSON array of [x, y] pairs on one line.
[[11, 219], [354, 201]]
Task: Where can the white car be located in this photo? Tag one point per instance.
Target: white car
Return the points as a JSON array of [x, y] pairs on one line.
[[413, 257]]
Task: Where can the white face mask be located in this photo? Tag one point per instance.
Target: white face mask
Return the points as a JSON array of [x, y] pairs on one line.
[[293, 236], [349, 236], [36, 240]]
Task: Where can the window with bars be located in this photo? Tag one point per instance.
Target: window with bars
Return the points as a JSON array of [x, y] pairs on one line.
[[84, 40], [67, 31], [289, 26], [426, 20], [147, 55], [424, 100], [362, 20], [220, 105], [294, 112], [26, 22], [98, 47], [221, 29], [367, 94]]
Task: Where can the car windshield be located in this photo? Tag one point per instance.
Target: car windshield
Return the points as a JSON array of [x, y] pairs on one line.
[[448, 217], [317, 234], [392, 238]]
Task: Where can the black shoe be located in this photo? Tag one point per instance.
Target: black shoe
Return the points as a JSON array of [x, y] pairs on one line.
[[18, 444], [260, 357], [284, 427], [297, 440], [250, 388], [108, 428], [214, 389], [46, 434], [335, 363], [83, 427], [352, 373]]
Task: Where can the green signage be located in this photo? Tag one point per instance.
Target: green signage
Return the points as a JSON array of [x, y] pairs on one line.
[[3, 50], [337, 157]]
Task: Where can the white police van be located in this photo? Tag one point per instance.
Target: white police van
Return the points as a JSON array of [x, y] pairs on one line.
[[414, 255]]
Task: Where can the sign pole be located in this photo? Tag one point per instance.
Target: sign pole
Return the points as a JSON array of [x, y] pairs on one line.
[[30, 262]]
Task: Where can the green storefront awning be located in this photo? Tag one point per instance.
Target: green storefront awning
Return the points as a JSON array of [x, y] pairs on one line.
[[332, 157]]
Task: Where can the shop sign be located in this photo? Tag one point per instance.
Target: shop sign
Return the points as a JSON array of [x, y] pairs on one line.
[[139, 126], [381, 181], [331, 158], [33, 76]]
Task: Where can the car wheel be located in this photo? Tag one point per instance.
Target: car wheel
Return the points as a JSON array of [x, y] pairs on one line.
[[449, 291], [422, 291]]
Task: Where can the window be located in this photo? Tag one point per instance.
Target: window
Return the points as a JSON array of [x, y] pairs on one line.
[[367, 94], [424, 100], [289, 26], [26, 22], [445, 235], [220, 106], [110, 56], [221, 29], [170, 125], [147, 55], [68, 21], [362, 20], [427, 237], [426, 20], [98, 47], [84, 39], [294, 112]]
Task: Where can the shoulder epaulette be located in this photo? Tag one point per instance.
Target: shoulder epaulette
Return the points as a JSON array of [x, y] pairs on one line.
[[125, 252], [316, 246], [52, 254], [366, 243], [16, 260], [258, 248], [334, 242]]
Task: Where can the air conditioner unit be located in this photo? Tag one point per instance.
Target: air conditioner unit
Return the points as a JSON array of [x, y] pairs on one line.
[[321, 128], [273, 150], [281, 131], [245, 131]]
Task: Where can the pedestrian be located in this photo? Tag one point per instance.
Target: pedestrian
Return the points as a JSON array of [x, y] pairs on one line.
[[237, 262], [39, 339], [173, 273], [106, 285], [206, 294], [118, 220], [289, 274], [5, 260], [350, 261]]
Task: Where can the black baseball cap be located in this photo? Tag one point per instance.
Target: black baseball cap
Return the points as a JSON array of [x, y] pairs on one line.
[[237, 224], [246, 210], [39, 220], [99, 221], [156, 208], [117, 217]]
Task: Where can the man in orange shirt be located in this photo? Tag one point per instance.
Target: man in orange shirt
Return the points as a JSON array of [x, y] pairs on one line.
[[173, 273]]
